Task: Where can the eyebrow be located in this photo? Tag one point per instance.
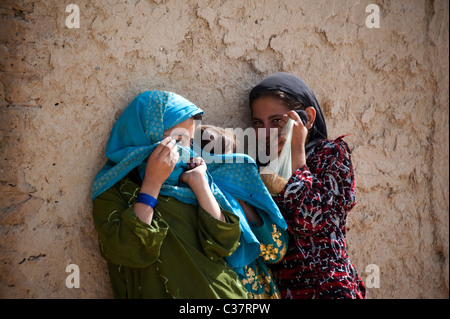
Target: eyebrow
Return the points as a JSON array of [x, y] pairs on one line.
[[270, 117], [276, 115]]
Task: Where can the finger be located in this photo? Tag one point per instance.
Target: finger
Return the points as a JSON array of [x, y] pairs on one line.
[[164, 142], [201, 162], [172, 157], [193, 163], [166, 146], [294, 115], [197, 161], [162, 145], [175, 159]]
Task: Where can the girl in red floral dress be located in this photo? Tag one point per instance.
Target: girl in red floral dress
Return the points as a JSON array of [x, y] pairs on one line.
[[316, 199]]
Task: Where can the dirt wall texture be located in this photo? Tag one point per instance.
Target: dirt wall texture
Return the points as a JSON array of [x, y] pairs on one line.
[[62, 88]]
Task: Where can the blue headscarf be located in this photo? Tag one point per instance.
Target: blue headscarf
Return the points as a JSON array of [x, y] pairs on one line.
[[140, 129]]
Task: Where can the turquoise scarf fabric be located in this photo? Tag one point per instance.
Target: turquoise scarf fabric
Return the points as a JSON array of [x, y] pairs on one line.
[[140, 129]]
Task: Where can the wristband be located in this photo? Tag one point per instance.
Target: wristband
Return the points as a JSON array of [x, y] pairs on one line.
[[147, 200]]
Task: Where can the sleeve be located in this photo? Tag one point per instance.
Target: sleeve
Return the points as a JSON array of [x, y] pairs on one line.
[[273, 240], [310, 201], [219, 239], [123, 238]]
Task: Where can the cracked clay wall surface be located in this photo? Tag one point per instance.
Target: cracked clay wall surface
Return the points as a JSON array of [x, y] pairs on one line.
[[62, 88]]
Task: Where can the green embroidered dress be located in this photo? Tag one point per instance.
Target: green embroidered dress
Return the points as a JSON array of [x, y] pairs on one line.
[[257, 277], [179, 255]]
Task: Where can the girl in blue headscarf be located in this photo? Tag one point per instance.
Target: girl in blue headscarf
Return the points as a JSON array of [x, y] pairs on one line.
[[256, 276], [157, 245], [170, 228]]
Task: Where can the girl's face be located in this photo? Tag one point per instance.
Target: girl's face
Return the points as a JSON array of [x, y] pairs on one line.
[[183, 133], [266, 113]]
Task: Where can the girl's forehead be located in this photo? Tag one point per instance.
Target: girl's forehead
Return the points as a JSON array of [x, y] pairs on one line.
[[268, 106], [186, 124], [183, 131]]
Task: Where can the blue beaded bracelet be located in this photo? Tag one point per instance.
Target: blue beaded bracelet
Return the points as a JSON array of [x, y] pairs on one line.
[[147, 200]]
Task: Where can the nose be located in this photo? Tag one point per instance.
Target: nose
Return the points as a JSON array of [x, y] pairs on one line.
[[266, 129], [268, 132]]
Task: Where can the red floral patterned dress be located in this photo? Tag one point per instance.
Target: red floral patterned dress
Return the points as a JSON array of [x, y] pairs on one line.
[[315, 204]]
